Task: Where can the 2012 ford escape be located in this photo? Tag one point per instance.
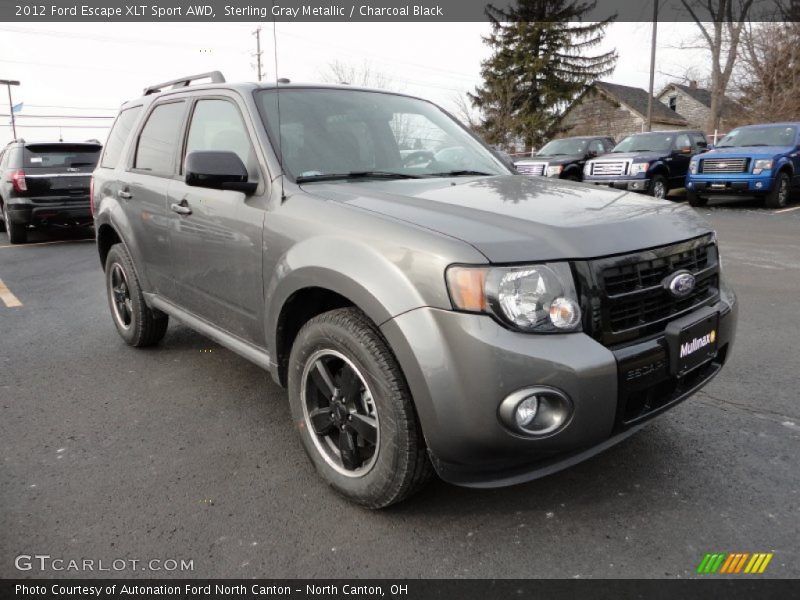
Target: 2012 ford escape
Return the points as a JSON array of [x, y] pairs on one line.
[[460, 319]]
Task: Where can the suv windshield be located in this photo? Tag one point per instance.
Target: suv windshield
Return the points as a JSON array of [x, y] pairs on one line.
[[563, 147], [645, 142], [767, 135], [342, 134], [60, 155]]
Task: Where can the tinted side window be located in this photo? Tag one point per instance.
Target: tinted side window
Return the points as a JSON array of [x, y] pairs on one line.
[[118, 136], [217, 125], [155, 151], [596, 146], [682, 141]]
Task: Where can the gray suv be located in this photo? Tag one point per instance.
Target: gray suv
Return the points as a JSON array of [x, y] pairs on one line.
[[426, 315]]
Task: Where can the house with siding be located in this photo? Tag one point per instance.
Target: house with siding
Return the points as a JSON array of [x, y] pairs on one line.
[[693, 103], [616, 110]]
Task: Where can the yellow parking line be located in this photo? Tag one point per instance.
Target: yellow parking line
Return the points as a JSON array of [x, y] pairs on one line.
[[19, 246], [783, 210], [9, 299]]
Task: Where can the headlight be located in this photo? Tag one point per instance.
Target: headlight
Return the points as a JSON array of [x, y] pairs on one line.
[[554, 170], [587, 168], [534, 298], [762, 165], [637, 168], [693, 167]]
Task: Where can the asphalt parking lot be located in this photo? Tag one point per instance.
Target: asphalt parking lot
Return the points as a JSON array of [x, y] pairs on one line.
[[186, 451]]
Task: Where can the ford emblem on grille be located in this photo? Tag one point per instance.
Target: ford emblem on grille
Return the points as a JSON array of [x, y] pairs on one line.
[[722, 165], [680, 284]]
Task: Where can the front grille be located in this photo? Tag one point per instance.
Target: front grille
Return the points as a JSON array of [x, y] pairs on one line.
[[616, 167], [624, 297], [536, 168], [723, 165]]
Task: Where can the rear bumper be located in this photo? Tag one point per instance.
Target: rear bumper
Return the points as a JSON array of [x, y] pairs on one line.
[[460, 367], [633, 185], [52, 210]]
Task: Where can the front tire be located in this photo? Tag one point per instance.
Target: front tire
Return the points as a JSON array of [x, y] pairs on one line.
[[354, 412], [778, 196], [659, 188], [695, 200], [137, 324]]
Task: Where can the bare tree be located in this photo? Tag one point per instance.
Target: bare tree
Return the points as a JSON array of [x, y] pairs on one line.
[[464, 112], [768, 78], [721, 34], [365, 75]]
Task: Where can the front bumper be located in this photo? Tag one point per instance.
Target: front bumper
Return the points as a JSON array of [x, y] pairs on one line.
[[633, 185], [460, 367], [50, 210], [730, 184]]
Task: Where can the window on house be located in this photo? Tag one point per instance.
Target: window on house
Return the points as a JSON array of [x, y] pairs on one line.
[[673, 103]]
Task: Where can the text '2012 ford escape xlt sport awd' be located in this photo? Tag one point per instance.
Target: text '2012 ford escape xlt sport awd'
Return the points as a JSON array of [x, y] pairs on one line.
[[489, 326]]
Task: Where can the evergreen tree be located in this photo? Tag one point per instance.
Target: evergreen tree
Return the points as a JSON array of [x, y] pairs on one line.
[[541, 62]]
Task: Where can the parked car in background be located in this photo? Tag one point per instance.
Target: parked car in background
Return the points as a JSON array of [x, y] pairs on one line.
[[756, 161], [652, 163], [45, 183], [564, 158], [454, 317]]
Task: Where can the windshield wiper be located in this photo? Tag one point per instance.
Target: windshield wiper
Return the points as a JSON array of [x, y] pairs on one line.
[[459, 173], [355, 175]]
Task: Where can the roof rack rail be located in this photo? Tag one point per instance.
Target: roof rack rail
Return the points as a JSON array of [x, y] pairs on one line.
[[215, 76]]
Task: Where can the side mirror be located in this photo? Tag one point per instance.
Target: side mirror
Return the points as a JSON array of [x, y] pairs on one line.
[[218, 171], [592, 153]]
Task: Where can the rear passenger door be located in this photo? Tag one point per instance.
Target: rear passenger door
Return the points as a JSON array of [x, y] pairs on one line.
[[143, 196], [217, 246]]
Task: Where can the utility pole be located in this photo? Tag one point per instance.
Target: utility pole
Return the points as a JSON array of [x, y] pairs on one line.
[[652, 67], [257, 33], [8, 83]]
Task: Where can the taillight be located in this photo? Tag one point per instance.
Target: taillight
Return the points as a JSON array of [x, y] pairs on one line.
[[91, 195], [18, 181]]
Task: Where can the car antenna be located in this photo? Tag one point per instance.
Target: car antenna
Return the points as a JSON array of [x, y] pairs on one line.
[[278, 99]]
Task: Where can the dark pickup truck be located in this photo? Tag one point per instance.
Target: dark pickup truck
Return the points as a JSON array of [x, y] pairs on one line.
[[652, 163], [564, 158], [45, 184]]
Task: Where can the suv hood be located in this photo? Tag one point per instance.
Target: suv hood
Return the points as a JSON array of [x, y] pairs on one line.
[[512, 218], [755, 151], [636, 156], [554, 159]]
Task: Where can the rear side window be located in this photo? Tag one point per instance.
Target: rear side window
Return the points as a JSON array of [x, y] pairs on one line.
[[118, 136], [60, 156], [155, 151]]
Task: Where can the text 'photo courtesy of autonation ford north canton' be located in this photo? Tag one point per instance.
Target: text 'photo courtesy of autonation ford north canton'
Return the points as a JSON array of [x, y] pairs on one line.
[[364, 299]]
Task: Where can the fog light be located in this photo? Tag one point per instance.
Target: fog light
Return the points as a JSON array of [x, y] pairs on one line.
[[526, 411], [759, 185], [535, 411]]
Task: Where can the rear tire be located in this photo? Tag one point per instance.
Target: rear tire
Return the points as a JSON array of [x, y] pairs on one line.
[[17, 234], [2, 217], [328, 351], [137, 324], [659, 188], [695, 200], [778, 196]]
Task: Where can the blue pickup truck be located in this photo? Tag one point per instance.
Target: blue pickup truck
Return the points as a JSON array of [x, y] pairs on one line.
[[756, 161]]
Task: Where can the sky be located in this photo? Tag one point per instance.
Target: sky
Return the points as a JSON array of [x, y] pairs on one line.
[[89, 69]]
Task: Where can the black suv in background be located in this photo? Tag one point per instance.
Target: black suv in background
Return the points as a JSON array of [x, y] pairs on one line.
[[565, 158], [653, 163], [45, 184]]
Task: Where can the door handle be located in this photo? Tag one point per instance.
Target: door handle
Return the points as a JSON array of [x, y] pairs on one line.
[[125, 195], [181, 208]]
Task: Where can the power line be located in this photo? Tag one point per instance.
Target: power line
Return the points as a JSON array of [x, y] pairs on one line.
[[18, 116], [60, 126]]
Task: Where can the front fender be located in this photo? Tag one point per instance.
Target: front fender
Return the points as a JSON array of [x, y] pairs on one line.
[[381, 284]]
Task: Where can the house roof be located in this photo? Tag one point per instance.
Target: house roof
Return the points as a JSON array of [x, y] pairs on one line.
[[636, 100], [702, 95]]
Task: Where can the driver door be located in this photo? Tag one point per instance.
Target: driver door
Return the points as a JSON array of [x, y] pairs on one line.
[[680, 160], [217, 234]]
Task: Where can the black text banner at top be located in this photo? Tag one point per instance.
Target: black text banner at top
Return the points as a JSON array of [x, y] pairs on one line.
[[379, 10]]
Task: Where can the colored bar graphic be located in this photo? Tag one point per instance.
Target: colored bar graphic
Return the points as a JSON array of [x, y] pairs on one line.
[[734, 562]]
